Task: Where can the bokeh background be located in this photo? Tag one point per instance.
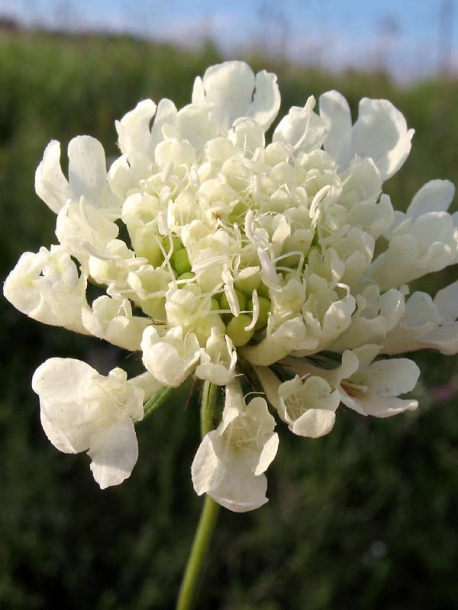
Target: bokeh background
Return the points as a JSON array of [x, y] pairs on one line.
[[365, 518]]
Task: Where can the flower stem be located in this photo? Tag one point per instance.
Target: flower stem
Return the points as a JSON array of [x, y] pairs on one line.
[[208, 408], [187, 596], [208, 517]]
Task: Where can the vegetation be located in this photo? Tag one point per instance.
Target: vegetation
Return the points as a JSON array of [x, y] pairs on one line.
[[364, 518]]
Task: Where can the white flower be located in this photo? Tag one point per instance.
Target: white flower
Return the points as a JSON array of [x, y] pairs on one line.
[[84, 229], [425, 239], [231, 460], [111, 319], [427, 323], [218, 359], [327, 318], [367, 386], [82, 410], [307, 405], [171, 358], [46, 287], [373, 388], [375, 316], [302, 128]]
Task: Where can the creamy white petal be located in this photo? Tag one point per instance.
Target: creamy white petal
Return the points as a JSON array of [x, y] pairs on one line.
[[148, 384], [382, 406], [194, 125], [434, 196], [335, 112], [134, 129], [314, 423], [393, 377], [270, 385], [164, 122], [206, 469], [66, 419], [381, 133], [446, 301], [335, 321], [266, 100], [114, 453], [56, 435], [241, 492], [50, 183], [87, 172], [268, 453]]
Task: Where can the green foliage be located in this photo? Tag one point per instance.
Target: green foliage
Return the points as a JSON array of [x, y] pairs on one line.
[[364, 518]]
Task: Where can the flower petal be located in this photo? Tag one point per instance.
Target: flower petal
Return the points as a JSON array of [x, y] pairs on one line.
[[266, 99], [87, 171], [241, 492], [205, 469], [335, 112], [134, 131], [114, 453], [434, 196], [314, 423], [64, 422], [381, 134], [268, 453], [393, 377], [50, 183]]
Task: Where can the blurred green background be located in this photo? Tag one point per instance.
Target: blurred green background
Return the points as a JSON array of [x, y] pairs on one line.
[[365, 518]]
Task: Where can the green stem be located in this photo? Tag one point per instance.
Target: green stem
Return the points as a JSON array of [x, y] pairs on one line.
[[187, 596], [156, 401], [208, 517], [208, 408]]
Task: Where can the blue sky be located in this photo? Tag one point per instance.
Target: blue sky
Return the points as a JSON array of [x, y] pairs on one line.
[[403, 35]]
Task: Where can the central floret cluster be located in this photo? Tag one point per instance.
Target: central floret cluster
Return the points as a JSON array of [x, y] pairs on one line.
[[213, 248]]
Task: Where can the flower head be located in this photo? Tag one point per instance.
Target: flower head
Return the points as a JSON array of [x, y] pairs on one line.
[[217, 252]]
